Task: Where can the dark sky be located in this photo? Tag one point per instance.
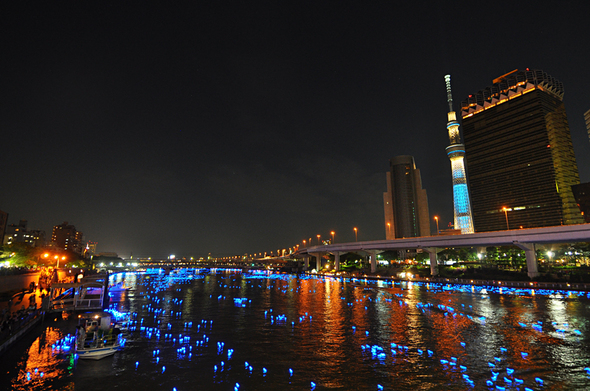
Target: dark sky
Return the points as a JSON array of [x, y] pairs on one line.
[[232, 127]]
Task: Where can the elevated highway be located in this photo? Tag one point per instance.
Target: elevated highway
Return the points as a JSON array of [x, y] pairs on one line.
[[525, 239]]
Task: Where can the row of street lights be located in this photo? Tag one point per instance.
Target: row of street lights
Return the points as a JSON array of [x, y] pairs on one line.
[[505, 209], [333, 235], [55, 257]]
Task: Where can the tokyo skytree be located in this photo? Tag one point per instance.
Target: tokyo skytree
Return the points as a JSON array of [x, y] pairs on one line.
[[456, 152]]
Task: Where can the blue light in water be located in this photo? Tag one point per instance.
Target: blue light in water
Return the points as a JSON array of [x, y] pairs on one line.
[[136, 364], [312, 385], [163, 369], [539, 380], [290, 372], [509, 371]]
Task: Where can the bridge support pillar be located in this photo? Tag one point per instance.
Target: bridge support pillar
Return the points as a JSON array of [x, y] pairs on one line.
[[306, 262], [432, 251], [373, 260], [531, 258], [318, 261], [336, 261]]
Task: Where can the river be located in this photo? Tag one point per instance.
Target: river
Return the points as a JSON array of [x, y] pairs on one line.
[[224, 330]]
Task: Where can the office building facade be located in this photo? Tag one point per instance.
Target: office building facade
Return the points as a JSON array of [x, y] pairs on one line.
[[587, 120], [405, 202], [519, 154]]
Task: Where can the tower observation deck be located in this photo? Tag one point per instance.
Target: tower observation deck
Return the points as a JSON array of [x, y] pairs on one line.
[[456, 153]]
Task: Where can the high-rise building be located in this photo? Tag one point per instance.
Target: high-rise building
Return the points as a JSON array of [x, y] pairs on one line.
[[520, 158], [456, 153], [3, 224], [405, 202], [66, 237], [20, 234], [587, 119], [582, 191], [582, 196]]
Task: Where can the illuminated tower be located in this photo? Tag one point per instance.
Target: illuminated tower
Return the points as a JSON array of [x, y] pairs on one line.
[[456, 152]]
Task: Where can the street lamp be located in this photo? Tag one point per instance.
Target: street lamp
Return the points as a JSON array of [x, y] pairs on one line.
[[436, 219], [356, 238], [318, 235], [332, 233], [505, 209], [303, 242], [389, 229]]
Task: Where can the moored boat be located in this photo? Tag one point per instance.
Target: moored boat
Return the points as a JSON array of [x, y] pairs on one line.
[[96, 336]]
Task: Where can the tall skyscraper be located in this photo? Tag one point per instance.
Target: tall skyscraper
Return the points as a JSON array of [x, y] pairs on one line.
[[456, 153], [519, 152], [405, 202], [587, 119]]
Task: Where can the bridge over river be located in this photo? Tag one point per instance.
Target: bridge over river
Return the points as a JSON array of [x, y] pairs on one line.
[[525, 239]]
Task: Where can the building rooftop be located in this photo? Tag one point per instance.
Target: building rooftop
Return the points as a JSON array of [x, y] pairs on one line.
[[509, 86]]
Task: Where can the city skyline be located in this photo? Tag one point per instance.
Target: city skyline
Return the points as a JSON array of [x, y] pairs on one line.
[[239, 129]]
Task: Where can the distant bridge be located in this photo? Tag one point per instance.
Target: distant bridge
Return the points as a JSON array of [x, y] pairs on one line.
[[525, 239]]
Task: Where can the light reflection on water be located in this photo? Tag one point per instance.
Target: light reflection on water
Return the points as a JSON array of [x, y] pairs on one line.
[[41, 367], [327, 338]]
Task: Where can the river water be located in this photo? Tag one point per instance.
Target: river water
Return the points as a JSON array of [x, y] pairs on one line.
[[224, 330]]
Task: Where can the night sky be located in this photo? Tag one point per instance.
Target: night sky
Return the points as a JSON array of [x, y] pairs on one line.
[[238, 127]]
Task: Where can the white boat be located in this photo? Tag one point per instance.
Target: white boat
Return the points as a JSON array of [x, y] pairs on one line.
[[99, 337]]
